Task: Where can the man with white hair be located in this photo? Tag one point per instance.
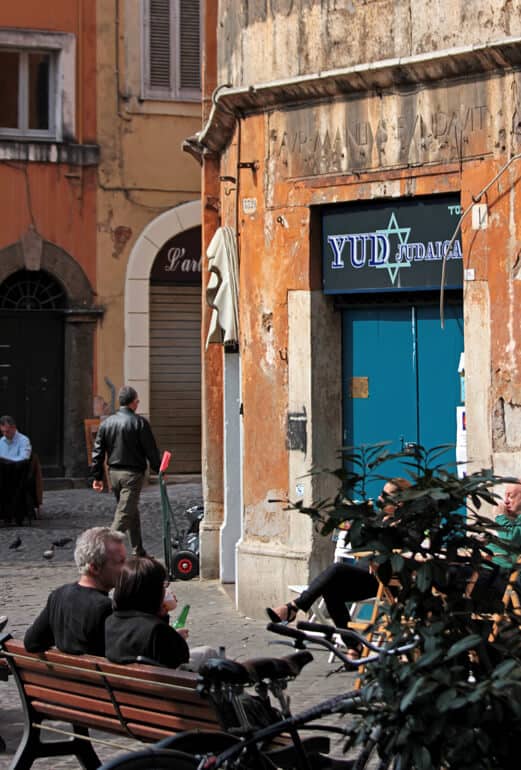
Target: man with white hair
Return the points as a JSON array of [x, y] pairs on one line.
[[74, 617], [508, 520]]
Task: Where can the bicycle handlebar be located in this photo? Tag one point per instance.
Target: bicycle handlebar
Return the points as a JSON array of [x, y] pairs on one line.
[[329, 631], [346, 634], [293, 633], [301, 638]]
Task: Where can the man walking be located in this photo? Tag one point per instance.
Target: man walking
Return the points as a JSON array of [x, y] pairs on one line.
[[126, 439], [74, 617]]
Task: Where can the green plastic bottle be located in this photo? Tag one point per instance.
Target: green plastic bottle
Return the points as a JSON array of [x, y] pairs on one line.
[[180, 621]]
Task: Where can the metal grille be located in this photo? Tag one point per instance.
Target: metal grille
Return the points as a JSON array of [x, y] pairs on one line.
[[31, 290]]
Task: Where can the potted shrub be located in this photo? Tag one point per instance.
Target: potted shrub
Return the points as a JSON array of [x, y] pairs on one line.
[[455, 703]]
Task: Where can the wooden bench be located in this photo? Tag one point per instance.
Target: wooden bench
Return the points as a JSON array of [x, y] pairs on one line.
[[146, 703]]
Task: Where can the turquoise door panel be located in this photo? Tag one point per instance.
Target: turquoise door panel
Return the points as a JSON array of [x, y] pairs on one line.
[[401, 381], [438, 356], [377, 352]]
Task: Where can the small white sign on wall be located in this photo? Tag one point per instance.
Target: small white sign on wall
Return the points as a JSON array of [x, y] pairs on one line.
[[249, 205], [461, 440]]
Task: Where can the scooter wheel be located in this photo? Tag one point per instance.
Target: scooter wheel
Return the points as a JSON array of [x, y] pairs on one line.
[[185, 565]]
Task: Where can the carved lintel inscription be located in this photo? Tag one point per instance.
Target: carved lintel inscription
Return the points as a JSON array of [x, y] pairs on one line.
[[430, 126]]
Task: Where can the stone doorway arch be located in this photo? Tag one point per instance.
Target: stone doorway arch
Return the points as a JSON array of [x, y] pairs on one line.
[[137, 299], [79, 316]]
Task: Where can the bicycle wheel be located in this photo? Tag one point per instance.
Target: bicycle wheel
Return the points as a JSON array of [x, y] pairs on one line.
[[152, 759]]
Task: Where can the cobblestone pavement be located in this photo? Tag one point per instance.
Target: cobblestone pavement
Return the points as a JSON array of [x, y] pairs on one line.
[[26, 579]]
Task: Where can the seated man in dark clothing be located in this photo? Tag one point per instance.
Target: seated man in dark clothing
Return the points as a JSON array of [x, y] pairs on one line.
[[74, 617], [15, 456]]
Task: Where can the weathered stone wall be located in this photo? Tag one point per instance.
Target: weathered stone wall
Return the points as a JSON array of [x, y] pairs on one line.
[[335, 144], [264, 40], [305, 160]]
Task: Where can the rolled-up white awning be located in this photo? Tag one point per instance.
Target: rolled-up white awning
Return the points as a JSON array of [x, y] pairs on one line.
[[222, 292]]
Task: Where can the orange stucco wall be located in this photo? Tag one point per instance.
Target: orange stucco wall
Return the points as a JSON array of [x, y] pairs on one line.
[[276, 258], [58, 199], [63, 208], [77, 17], [279, 254]]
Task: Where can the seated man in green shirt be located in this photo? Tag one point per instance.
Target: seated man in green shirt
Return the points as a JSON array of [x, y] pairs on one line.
[[493, 578], [508, 520]]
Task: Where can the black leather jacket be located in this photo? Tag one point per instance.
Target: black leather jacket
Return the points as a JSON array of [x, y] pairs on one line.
[[127, 440]]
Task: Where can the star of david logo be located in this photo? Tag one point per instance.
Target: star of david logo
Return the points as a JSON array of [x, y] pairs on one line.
[[402, 234]]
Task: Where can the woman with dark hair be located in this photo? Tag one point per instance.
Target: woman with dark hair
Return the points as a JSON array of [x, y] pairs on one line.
[[139, 626], [341, 583]]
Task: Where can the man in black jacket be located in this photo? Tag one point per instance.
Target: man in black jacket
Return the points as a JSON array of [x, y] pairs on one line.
[[126, 439]]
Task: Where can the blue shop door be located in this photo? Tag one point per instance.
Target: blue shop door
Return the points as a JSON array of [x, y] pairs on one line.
[[400, 378]]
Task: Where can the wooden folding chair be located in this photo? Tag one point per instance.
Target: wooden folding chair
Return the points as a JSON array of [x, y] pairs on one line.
[[511, 603]]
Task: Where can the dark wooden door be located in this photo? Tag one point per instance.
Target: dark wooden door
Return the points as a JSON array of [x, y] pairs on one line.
[[31, 380]]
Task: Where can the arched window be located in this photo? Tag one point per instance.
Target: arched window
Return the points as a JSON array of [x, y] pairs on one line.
[[32, 290]]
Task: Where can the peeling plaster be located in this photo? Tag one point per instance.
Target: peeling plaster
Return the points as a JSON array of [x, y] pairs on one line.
[[264, 517], [516, 267], [498, 424], [512, 424], [267, 321], [269, 358], [506, 425]]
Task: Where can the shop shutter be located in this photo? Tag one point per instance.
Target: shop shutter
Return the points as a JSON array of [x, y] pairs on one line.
[[175, 373]]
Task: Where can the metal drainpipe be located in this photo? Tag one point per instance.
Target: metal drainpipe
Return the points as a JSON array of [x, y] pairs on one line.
[[79, 70]]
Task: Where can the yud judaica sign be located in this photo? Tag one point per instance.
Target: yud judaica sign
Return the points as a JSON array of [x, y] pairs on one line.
[[391, 245]]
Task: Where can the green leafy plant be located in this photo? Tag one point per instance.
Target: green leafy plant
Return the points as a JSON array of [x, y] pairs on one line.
[[456, 702]]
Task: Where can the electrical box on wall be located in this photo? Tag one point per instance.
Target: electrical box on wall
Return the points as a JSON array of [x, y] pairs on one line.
[[296, 431]]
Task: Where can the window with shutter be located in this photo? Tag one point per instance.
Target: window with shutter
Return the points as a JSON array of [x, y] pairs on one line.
[[172, 49], [159, 42], [37, 77]]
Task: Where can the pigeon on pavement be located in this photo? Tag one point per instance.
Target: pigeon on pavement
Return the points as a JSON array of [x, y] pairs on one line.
[[49, 553], [62, 542], [17, 542]]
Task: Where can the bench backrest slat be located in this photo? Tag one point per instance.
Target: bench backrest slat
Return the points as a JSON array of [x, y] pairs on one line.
[[199, 710], [174, 723], [83, 719], [77, 702], [140, 671], [53, 683]]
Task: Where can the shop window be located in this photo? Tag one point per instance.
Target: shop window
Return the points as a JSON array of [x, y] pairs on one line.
[[172, 49], [37, 73]]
